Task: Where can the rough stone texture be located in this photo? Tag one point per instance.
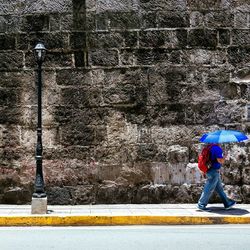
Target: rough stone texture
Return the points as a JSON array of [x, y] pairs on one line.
[[129, 88]]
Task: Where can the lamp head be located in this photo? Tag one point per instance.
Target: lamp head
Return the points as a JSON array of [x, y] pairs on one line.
[[39, 52]]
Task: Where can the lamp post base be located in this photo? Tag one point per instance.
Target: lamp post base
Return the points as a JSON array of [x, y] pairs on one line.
[[39, 205]]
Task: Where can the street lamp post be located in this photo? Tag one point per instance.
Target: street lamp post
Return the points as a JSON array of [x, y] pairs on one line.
[[39, 52]]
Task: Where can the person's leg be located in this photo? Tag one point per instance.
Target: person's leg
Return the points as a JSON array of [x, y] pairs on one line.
[[219, 189], [212, 179]]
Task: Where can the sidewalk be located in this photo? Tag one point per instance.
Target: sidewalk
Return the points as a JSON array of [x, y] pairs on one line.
[[124, 214]]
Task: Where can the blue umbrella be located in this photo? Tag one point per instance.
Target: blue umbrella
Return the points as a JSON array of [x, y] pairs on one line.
[[223, 136]]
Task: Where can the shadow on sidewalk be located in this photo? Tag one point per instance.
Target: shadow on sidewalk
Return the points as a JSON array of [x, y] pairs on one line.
[[232, 211]]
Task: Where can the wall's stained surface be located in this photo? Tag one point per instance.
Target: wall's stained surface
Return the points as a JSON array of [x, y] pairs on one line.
[[129, 87]]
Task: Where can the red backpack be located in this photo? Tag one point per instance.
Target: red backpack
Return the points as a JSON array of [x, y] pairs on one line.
[[203, 158]]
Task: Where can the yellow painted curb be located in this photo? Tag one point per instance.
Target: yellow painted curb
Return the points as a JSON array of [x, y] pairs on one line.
[[91, 220]]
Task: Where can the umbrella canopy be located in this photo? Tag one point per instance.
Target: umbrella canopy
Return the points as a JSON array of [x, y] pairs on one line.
[[223, 136]]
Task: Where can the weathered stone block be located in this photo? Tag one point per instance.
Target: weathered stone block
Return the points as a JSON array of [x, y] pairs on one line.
[[231, 174], [9, 97], [101, 21], [11, 60], [149, 20], [240, 37], [81, 97], [203, 56], [152, 38], [164, 115], [240, 20], [202, 113], [156, 56], [160, 172], [130, 39], [56, 59], [69, 77], [117, 154], [27, 7], [80, 59], [9, 140], [79, 134], [246, 193], [23, 42], [127, 57], [219, 19], [119, 95], [145, 57], [242, 5], [78, 40], [202, 38], [3, 24], [88, 116], [144, 134], [83, 194], [35, 23], [52, 41], [105, 40], [55, 22], [173, 19], [147, 151], [173, 134], [235, 115], [119, 132], [193, 175], [212, 77], [103, 58], [65, 22], [230, 91], [196, 19], [21, 79], [126, 20], [224, 37], [58, 195], [79, 21], [201, 5], [245, 174], [7, 42], [166, 39], [165, 84], [113, 193], [109, 172], [10, 115], [177, 5], [238, 55], [90, 21], [234, 192], [177, 154], [112, 5], [16, 195], [241, 75]]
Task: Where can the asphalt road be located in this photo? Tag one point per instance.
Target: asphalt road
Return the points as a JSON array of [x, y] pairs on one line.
[[229, 237]]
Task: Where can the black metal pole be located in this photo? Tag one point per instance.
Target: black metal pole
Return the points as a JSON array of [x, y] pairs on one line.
[[39, 182]]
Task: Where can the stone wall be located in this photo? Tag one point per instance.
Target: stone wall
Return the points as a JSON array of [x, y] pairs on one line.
[[129, 88]]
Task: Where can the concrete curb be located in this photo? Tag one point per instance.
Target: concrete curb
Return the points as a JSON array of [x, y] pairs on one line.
[[102, 220]]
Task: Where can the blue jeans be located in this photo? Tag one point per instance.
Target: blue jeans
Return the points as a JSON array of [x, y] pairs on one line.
[[213, 183]]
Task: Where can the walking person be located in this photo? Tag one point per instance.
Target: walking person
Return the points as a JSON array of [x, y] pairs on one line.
[[213, 182]]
